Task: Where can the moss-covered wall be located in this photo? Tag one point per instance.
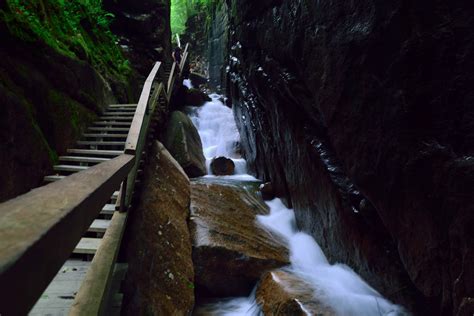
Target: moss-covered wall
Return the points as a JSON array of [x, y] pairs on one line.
[[59, 67]]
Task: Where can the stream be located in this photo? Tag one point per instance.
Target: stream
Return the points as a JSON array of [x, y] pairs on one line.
[[336, 285]]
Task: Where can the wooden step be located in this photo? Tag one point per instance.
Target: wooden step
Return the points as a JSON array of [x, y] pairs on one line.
[[95, 152], [83, 159], [70, 168], [120, 112], [115, 196], [99, 226], [122, 106], [109, 129], [116, 118], [108, 209], [58, 297], [53, 178], [100, 143], [112, 123], [106, 135], [87, 246]]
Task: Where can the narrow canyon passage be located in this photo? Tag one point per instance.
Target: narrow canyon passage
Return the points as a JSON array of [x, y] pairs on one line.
[[320, 288]]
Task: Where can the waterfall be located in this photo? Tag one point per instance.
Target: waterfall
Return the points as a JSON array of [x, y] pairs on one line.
[[336, 285]]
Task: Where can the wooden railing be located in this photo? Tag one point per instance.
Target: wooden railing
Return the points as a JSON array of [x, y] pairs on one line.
[[176, 72], [39, 230]]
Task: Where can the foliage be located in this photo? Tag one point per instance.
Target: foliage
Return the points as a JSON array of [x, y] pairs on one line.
[[181, 10], [79, 29]]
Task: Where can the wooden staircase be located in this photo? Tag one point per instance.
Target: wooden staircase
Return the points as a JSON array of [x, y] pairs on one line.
[[104, 140], [68, 232]]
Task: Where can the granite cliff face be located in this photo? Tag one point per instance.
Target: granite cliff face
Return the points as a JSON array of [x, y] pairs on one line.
[[360, 114], [144, 31]]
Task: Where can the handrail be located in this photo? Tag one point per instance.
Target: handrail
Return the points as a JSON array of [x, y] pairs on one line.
[[39, 230], [92, 295], [171, 79], [142, 108], [183, 60]]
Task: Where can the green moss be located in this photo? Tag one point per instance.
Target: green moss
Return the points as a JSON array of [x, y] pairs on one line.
[[77, 29], [182, 10], [70, 112]]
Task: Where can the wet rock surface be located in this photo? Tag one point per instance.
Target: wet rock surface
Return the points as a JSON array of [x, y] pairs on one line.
[[47, 101], [282, 293], [365, 101], [222, 166], [160, 275], [267, 192], [144, 31], [230, 252], [195, 97], [184, 143]]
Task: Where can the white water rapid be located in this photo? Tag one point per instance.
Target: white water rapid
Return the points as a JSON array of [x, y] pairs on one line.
[[219, 135], [336, 285]]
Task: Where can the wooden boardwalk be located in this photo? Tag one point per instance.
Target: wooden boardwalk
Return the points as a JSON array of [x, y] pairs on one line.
[[62, 240]]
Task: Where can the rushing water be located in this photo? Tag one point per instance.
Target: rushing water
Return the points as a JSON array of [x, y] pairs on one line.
[[336, 285]]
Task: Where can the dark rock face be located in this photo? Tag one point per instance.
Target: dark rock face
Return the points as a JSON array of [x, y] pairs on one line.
[[218, 40], [161, 275], [230, 252], [222, 166], [144, 31], [267, 192], [366, 101], [184, 143], [47, 100], [195, 97]]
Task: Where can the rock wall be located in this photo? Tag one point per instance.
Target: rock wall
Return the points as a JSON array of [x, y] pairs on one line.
[[218, 41], [144, 31], [361, 114], [47, 99]]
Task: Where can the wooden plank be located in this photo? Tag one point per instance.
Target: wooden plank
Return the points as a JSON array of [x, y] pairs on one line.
[[40, 229], [171, 79], [92, 296], [116, 118], [83, 159], [59, 295], [141, 112], [95, 152], [112, 123], [114, 301], [109, 129], [70, 168], [53, 178], [99, 226], [87, 246], [119, 112], [108, 209], [100, 143], [122, 105], [105, 135]]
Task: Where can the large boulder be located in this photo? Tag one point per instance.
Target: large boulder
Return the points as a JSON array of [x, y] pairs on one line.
[[230, 251], [160, 275], [197, 79], [282, 293], [222, 166], [184, 143], [195, 97]]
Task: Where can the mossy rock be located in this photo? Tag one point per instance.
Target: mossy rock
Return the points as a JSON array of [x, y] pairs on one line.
[[184, 143]]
